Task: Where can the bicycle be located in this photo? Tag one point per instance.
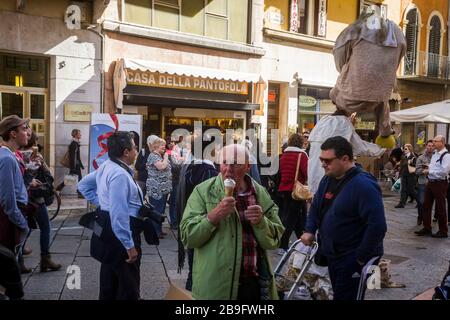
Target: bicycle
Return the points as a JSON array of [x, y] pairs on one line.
[[53, 213]]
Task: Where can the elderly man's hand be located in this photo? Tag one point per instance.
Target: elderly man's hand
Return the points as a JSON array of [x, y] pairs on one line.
[[223, 209], [253, 214]]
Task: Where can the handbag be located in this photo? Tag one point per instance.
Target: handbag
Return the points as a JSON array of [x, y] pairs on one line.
[[300, 191], [411, 169], [87, 220], [65, 161]]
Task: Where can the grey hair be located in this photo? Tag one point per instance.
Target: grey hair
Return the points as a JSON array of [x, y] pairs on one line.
[[444, 141]]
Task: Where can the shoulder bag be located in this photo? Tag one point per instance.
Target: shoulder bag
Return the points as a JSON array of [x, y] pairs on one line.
[[300, 191]]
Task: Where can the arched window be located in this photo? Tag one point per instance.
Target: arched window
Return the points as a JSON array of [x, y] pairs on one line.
[[411, 35], [434, 47]]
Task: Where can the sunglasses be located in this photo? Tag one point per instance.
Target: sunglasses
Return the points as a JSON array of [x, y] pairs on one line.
[[327, 161]]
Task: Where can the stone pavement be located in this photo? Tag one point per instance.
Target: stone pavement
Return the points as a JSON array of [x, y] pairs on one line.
[[417, 262]]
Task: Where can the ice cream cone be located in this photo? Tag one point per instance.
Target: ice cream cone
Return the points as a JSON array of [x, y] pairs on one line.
[[229, 187]]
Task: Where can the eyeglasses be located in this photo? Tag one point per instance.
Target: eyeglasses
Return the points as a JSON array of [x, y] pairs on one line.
[[327, 161], [437, 141]]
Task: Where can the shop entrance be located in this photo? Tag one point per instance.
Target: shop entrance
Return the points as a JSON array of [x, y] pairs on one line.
[[222, 120], [27, 103]]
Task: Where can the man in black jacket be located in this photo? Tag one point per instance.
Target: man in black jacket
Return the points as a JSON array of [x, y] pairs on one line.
[[74, 154]]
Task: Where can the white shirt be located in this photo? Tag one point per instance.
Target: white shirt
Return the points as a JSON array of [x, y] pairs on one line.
[[438, 170]]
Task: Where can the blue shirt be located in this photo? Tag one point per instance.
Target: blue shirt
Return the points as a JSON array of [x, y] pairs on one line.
[[113, 189], [12, 188]]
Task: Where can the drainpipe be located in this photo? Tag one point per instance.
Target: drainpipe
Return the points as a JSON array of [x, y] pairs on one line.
[[102, 52]]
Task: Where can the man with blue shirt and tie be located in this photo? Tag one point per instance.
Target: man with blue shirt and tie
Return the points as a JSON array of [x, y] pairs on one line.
[[116, 244]]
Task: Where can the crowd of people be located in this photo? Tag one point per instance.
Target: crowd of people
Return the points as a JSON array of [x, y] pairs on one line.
[[225, 236], [423, 179]]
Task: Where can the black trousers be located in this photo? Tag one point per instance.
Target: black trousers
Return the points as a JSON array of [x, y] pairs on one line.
[[249, 289], [293, 218], [120, 281], [190, 256], [408, 188]]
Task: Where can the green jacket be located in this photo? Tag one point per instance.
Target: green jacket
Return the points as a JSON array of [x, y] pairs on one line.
[[218, 251]]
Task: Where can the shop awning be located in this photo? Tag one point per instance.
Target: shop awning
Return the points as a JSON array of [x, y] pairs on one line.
[[434, 112], [120, 79]]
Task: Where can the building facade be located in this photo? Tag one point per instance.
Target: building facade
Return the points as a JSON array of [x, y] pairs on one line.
[[227, 64], [49, 73], [425, 71], [178, 63]]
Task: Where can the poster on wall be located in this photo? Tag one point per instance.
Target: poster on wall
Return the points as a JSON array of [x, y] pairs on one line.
[[103, 125]]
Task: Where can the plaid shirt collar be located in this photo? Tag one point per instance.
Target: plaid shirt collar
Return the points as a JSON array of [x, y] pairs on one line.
[[250, 247]]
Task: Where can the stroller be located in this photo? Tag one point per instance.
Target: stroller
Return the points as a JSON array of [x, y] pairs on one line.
[[302, 257]]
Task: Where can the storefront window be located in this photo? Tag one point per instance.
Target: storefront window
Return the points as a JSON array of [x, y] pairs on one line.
[[313, 103], [23, 71], [11, 103], [37, 106], [223, 19]]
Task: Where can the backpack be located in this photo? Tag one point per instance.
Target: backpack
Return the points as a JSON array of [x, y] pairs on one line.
[[442, 157]]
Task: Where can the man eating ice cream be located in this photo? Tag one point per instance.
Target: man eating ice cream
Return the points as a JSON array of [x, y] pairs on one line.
[[231, 221]]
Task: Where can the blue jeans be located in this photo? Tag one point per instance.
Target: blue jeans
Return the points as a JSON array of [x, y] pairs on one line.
[[44, 227], [420, 200], [160, 207], [172, 203]]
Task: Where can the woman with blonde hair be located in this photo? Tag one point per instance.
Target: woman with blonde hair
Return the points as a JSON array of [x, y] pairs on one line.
[[159, 181]]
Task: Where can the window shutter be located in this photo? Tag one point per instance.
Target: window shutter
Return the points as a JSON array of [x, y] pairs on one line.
[[411, 41]]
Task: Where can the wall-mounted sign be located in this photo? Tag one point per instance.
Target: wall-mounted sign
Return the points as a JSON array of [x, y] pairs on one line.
[[322, 21], [275, 17], [272, 96], [294, 18], [173, 81], [364, 125], [307, 101], [77, 112]]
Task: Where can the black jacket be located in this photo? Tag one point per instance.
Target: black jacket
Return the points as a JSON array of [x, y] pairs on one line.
[[74, 156], [141, 164]]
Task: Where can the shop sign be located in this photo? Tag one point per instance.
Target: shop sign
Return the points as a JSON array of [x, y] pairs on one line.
[[275, 17], [307, 101], [272, 96], [365, 125], [77, 112], [294, 18], [322, 21], [173, 81]]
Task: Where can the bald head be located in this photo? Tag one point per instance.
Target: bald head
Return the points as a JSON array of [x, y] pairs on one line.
[[234, 162]]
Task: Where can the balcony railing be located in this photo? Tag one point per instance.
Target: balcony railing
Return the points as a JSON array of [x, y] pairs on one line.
[[429, 65]]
